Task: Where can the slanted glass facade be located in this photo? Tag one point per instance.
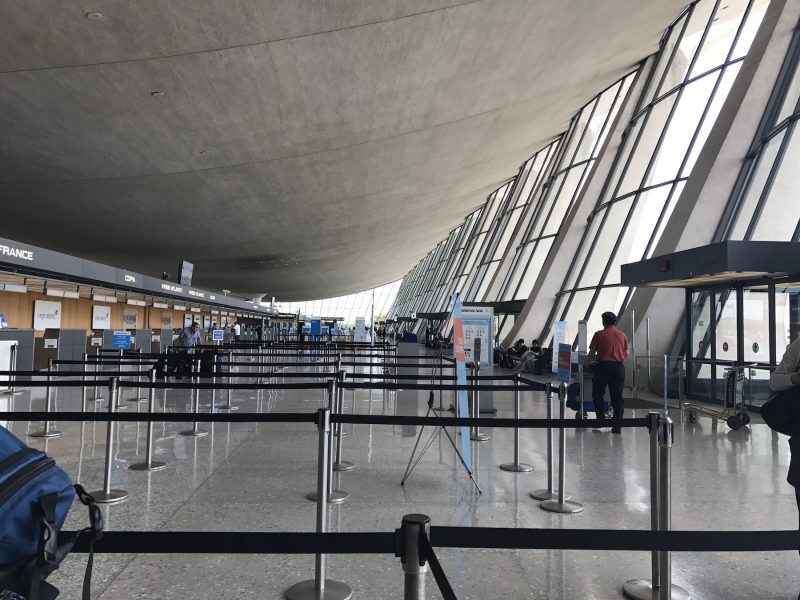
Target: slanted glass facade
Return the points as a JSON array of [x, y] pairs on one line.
[[671, 103], [348, 307]]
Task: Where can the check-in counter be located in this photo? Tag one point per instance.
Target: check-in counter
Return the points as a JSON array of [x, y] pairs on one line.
[[25, 340], [160, 340], [60, 344], [141, 339]]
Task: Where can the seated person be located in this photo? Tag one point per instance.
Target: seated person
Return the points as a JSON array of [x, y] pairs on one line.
[[528, 360], [519, 348]]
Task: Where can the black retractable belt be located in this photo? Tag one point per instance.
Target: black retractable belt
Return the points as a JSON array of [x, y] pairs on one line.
[[436, 568]]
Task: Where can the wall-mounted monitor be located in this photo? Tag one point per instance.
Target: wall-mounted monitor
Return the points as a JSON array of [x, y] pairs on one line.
[[186, 270]]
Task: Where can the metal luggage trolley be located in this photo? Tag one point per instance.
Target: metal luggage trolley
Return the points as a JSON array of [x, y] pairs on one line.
[[735, 411]]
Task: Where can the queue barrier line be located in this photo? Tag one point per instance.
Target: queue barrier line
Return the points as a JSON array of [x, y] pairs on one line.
[[311, 417], [234, 542], [622, 540], [103, 377], [158, 417]]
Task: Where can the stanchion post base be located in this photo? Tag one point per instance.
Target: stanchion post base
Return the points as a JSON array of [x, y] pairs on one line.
[[193, 433], [11, 393], [335, 496], [155, 465], [642, 589], [567, 507], [480, 437], [46, 433], [111, 497], [517, 468], [227, 407], [306, 590], [345, 465], [547, 495]]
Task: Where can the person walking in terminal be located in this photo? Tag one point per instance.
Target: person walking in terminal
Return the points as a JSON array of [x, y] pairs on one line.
[[784, 383], [610, 347], [188, 338], [237, 331]]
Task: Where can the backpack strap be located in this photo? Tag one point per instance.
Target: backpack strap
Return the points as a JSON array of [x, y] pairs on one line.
[[96, 530]]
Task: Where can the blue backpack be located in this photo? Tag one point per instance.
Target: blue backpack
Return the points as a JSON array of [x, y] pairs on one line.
[[35, 497]]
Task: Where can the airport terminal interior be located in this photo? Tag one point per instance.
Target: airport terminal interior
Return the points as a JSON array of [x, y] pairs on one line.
[[331, 299]]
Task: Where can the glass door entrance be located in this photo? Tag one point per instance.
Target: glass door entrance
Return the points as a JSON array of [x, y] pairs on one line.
[[739, 324]]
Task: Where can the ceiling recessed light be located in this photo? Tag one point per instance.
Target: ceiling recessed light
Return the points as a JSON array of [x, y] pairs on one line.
[[94, 16], [204, 152], [158, 94]]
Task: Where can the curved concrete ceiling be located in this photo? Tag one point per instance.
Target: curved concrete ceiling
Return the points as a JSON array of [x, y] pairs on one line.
[[301, 149]]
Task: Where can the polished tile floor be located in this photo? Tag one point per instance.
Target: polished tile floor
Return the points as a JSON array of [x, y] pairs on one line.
[[247, 477]]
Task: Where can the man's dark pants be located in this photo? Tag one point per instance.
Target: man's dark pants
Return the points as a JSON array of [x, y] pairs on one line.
[[611, 375]]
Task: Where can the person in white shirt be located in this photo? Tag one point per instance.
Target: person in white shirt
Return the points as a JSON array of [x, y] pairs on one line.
[[237, 331]]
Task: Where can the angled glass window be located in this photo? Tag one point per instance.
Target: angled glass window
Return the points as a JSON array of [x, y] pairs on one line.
[[699, 58], [580, 148], [765, 204], [350, 306]]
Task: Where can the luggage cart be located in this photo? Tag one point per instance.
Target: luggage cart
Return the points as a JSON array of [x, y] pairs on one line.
[[734, 412]]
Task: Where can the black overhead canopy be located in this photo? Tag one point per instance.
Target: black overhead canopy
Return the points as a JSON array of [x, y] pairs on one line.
[[716, 264], [507, 307]]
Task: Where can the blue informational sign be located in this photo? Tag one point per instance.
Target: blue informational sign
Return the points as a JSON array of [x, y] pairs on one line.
[[564, 362], [121, 340], [316, 329], [478, 334], [461, 378], [218, 335], [3, 322]]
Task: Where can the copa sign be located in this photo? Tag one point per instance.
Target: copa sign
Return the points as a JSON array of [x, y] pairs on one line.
[[12, 252]]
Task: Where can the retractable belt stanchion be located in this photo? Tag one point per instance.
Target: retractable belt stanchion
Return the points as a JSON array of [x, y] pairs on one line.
[[138, 397], [195, 431], [97, 395], [149, 464], [476, 435], [334, 496], [107, 495], [12, 390], [322, 588], [516, 466], [47, 432], [642, 589], [228, 405], [83, 379], [341, 465], [667, 590], [549, 493], [415, 564], [561, 504]]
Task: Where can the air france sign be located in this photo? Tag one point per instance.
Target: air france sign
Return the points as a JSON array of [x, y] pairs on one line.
[[19, 253]]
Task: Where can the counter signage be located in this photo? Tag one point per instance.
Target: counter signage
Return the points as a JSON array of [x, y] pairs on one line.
[[3, 322], [121, 340], [46, 315], [218, 335]]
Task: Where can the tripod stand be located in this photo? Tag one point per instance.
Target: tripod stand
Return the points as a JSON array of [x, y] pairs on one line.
[[436, 433]]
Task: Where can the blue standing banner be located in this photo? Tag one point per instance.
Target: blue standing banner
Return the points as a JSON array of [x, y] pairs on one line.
[[461, 378]]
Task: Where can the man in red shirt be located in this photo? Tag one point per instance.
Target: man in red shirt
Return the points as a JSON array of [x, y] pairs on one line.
[[610, 347]]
